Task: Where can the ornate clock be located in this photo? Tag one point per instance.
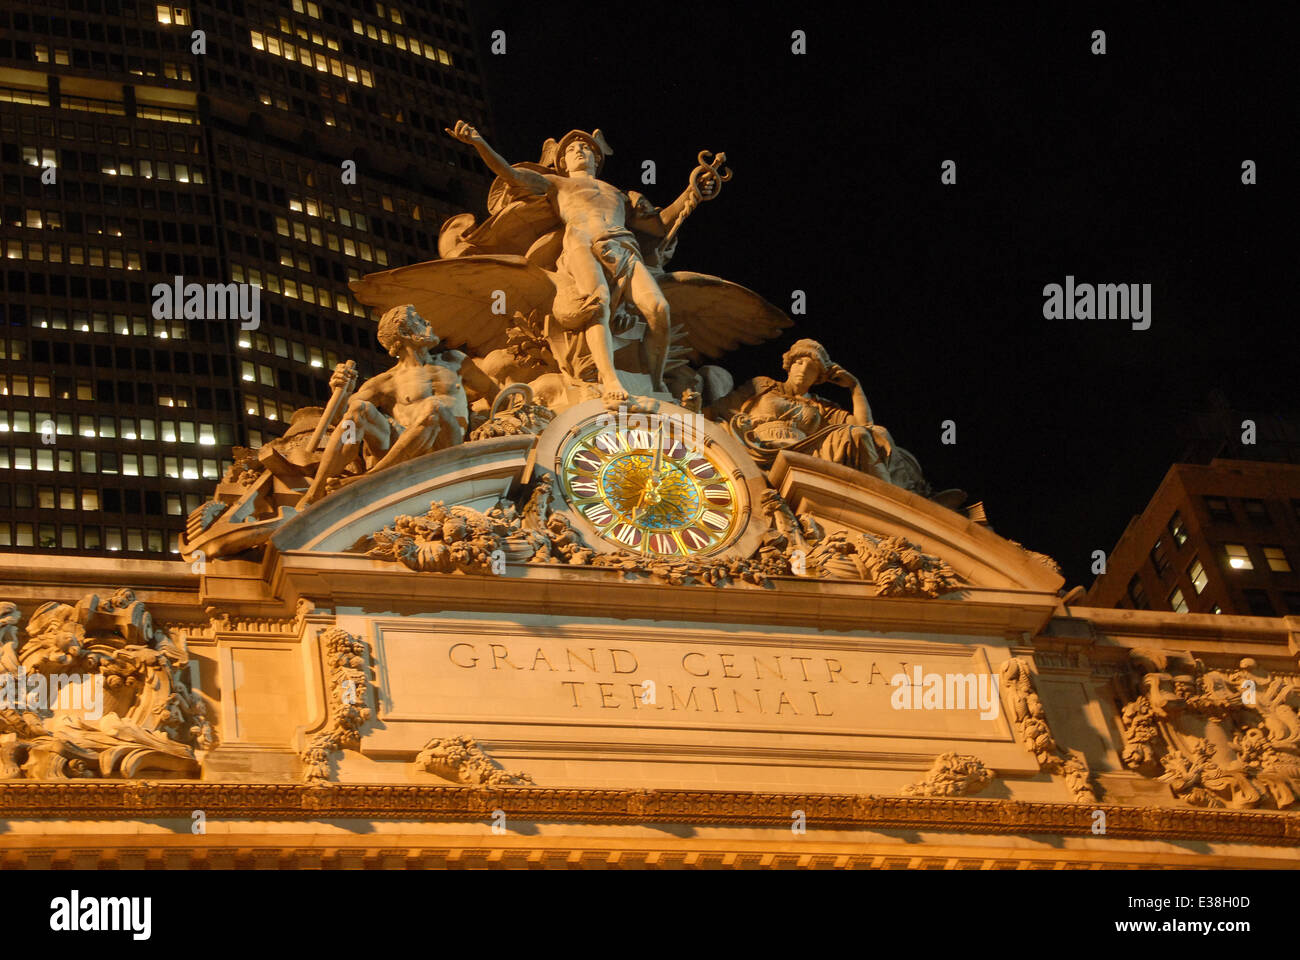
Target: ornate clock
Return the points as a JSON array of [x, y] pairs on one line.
[[648, 491], [669, 486]]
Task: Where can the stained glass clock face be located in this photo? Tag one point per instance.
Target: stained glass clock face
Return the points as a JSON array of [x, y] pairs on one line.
[[648, 492]]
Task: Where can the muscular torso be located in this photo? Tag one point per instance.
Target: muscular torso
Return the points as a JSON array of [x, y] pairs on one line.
[[590, 208], [411, 385]]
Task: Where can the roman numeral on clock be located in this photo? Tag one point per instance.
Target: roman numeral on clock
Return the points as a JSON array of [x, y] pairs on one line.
[[711, 518], [626, 534], [694, 538], [586, 460], [585, 488], [701, 468], [662, 543], [716, 493]]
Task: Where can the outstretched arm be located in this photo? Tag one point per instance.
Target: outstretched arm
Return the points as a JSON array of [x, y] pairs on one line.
[[524, 179]]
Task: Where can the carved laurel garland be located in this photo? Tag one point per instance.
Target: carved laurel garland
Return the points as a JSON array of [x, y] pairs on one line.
[[450, 539], [462, 760], [952, 775], [347, 660], [1030, 721]]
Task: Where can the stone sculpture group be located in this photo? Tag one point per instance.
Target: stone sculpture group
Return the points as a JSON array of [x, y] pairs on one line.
[[593, 312]]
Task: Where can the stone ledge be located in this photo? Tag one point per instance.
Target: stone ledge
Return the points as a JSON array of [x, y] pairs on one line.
[[144, 800]]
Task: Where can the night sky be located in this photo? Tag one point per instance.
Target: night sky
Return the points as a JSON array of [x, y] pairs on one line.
[[1123, 168]]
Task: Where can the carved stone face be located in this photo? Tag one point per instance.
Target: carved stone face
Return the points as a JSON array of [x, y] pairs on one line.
[[579, 156], [804, 373], [417, 332]]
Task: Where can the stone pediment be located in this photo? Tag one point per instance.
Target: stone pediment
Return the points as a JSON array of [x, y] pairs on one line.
[[474, 475], [840, 496], [506, 477]]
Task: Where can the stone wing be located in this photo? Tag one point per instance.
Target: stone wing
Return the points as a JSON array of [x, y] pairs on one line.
[[457, 296], [719, 315]]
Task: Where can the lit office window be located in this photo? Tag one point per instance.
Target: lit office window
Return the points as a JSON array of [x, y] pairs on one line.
[[1176, 601], [169, 15], [1276, 559], [1196, 573], [1237, 556], [1176, 528]]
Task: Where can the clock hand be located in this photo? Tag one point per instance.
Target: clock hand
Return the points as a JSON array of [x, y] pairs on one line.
[[659, 451]]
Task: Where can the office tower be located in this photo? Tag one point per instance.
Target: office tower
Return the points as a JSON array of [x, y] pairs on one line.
[[289, 145]]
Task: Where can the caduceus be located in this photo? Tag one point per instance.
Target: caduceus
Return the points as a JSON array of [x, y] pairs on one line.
[[717, 174]]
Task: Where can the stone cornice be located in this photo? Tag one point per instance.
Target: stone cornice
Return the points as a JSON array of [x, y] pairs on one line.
[[350, 580], [149, 800]]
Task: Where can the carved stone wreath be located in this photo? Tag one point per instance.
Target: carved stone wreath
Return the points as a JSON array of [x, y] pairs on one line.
[[450, 539]]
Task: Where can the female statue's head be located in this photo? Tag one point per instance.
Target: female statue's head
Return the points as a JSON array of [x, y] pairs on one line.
[[807, 363]]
